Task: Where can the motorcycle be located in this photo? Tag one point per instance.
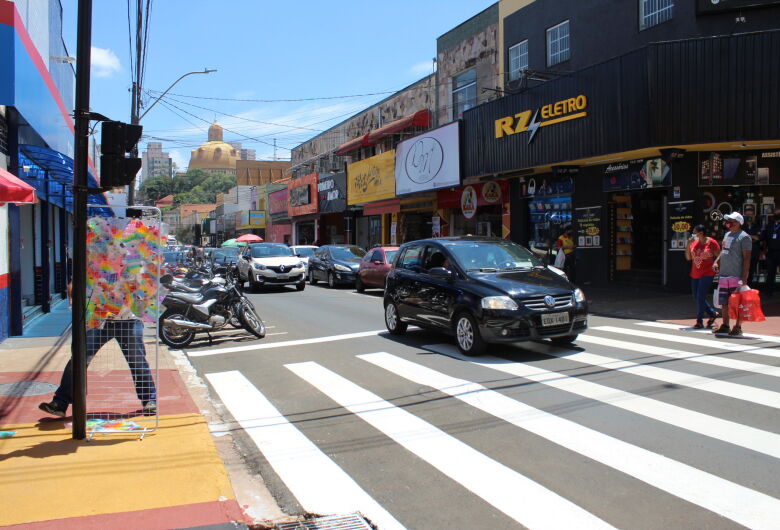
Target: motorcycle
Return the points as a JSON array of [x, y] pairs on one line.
[[213, 307]]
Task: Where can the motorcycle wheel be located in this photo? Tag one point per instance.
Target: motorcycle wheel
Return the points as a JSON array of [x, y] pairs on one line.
[[235, 322], [251, 322], [169, 334]]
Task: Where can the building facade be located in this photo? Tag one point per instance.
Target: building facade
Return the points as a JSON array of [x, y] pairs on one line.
[[155, 162], [215, 156]]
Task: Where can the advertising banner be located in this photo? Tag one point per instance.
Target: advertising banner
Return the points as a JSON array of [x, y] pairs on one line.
[[680, 223], [730, 168], [256, 219], [638, 174], [428, 161], [488, 193], [588, 227], [372, 179], [719, 6], [303, 195], [561, 182], [277, 204], [332, 191]]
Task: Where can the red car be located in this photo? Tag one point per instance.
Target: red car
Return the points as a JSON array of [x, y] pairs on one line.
[[374, 268]]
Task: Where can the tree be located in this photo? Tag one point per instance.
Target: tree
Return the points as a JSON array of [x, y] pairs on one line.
[[198, 187], [154, 189]]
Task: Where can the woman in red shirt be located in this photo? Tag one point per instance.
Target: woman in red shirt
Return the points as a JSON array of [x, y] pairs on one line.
[[701, 252]]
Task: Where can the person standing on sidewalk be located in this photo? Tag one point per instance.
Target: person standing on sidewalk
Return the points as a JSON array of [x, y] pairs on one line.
[[771, 239], [733, 265], [701, 252], [565, 242]]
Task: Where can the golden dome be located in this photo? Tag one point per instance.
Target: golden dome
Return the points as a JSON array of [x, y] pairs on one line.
[[214, 154]]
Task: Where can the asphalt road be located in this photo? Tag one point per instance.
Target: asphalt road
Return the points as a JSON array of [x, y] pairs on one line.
[[636, 426]]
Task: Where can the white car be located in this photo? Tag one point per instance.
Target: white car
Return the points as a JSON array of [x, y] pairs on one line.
[[264, 264], [304, 252]]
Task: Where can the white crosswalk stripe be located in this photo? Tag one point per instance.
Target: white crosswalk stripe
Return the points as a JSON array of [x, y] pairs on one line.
[[678, 327], [524, 500], [711, 490]]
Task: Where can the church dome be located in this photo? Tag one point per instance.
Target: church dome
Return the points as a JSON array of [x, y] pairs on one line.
[[215, 154]]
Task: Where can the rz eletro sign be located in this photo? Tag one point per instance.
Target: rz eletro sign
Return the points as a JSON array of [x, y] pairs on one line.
[[527, 121]]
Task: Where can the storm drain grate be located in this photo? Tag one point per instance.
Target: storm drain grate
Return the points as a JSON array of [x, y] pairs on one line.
[[353, 521], [26, 388]]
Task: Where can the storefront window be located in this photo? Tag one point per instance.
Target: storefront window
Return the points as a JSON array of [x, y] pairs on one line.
[[464, 92]]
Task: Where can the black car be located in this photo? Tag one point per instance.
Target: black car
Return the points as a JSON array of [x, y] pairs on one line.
[[335, 264], [482, 290]]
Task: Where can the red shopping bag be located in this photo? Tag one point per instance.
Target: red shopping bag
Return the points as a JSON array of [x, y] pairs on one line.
[[746, 304]]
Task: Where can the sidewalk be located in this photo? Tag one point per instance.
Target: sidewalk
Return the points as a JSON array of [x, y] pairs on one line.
[[652, 304], [173, 478]]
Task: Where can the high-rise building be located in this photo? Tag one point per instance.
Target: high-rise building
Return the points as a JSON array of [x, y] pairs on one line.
[[244, 154], [156, 163]]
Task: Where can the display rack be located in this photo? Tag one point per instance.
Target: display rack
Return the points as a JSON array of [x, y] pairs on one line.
[[548, 210], [624, 232]]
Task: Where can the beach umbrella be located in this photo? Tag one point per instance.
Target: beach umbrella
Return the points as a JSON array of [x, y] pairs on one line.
[[232, 243], [249, 238]]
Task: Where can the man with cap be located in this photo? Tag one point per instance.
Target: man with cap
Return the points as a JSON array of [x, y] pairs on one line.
[[733, 265]]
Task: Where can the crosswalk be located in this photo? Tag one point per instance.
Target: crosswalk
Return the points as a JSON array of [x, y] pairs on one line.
[[628, 428]]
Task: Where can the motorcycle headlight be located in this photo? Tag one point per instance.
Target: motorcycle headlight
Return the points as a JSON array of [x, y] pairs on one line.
[[259, 266], [499, 302], [579, 296], [341, 268]]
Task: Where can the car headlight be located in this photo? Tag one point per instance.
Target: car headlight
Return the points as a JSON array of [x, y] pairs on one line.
[[259, 266], [579, 296], [498, 302], [301, 263], [341, 268]]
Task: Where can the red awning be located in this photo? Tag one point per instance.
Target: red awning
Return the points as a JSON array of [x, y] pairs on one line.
[[382, 207], [421, 118], [13, 189], [357, 143]]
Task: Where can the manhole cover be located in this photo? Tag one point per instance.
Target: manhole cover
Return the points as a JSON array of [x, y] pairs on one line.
[[26, 388], [332, 522]]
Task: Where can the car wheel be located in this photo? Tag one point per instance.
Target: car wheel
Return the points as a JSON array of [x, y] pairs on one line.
[[359, 287], [393, 321], [300, 286], [331, 280], [312, 279], [467, 335], [563, 341], [253, 286]]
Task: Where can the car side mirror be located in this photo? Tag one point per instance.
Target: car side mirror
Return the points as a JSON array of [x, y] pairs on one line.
[[441, 272]]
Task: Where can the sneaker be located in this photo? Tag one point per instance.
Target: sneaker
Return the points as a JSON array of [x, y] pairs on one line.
[[53, 408], [723, 329], [698, 325], [736, 331], [150, 408], [710, 322]]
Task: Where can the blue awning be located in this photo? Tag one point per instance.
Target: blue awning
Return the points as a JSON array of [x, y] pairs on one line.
[[51, 173]]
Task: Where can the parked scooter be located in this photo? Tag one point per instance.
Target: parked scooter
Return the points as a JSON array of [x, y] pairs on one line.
[[211, 308]]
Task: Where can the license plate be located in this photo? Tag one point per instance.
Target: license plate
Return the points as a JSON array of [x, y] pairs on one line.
[[555, 319], [282, 276]]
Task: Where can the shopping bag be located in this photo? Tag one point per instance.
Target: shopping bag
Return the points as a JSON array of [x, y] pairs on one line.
[[746, 305], [716, 298], [560, 259]]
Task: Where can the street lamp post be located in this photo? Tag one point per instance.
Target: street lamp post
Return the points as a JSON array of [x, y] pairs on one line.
[[135, 119]]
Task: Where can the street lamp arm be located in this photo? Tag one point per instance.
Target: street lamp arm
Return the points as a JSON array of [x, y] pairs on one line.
[[205, 71]]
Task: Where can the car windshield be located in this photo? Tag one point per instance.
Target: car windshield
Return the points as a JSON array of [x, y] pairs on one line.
[[347, 253], [491, 256], [271, 251], [305, 252], [173, 257], [224, 253], [390, 255]]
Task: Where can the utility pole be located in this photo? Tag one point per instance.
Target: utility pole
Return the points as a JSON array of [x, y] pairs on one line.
[[78, 347], [135, 100], [274, 149]]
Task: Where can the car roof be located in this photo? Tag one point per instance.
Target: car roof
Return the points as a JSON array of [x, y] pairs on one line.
[[268, 243], [457, 239], [304, 246]]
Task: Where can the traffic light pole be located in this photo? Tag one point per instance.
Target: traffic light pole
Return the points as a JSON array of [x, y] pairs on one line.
[[80, 183]]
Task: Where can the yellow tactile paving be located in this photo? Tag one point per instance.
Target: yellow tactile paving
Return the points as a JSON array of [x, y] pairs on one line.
[[45, 474]]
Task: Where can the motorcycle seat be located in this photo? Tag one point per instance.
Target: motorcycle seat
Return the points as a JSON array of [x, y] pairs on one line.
[[190, 298], [178, 286]]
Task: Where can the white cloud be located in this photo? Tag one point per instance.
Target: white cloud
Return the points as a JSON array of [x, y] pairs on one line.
[[179, 159], [422, 68], [105, 63]]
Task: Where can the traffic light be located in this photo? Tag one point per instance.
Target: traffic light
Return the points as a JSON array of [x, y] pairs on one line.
[[116, 140]]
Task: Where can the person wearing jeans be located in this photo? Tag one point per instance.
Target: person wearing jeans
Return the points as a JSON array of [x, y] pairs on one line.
[[129, 335], [701, 252]]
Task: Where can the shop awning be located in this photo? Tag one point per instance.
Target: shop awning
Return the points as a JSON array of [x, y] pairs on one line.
[[421, 118], [352, 145], [382, 207], [15, 190]]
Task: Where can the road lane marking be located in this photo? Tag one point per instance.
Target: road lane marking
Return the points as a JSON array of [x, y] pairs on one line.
[[703, 358], [729, 346], [738, 503], [678, 327], [299, 342], [724, 430], [522, 499], [318, 483]]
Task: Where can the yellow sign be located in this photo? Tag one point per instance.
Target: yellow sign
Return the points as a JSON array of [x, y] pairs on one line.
[[372, 179], [526, 121]]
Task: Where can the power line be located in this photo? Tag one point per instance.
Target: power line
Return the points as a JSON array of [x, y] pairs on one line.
[[321, 98]]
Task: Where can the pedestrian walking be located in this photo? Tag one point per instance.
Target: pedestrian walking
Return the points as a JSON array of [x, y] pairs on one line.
[[702, 252], [770, 238], [733, 265]]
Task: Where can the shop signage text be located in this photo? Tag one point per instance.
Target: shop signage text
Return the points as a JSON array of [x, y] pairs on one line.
[[303, 195], [638, 174], [277, 202], [372, 179], [589, 227], [739, 168], [527, 120], [681, 219], [332, 191], [429, 161]]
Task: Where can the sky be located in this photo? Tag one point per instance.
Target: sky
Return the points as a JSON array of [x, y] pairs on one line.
[[263, 50]]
